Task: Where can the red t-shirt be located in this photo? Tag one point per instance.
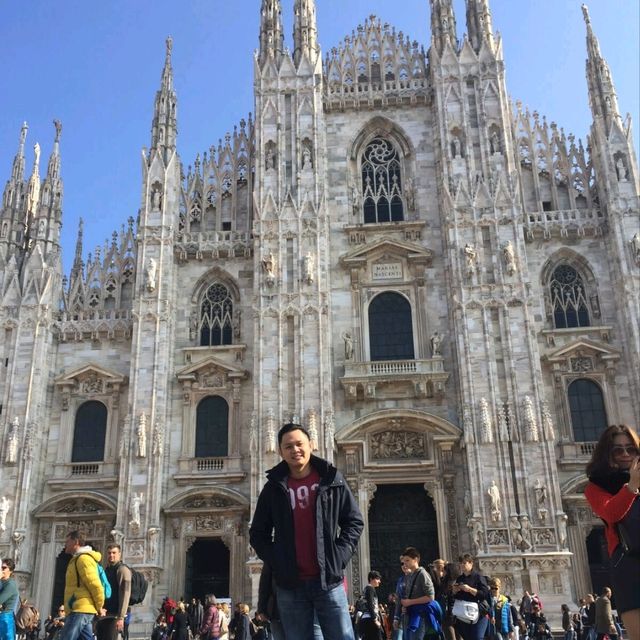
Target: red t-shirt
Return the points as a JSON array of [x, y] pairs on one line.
[[302, 494]]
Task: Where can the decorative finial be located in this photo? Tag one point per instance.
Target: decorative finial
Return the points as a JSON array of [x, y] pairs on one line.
[[36, 155], [169, 46], [585, 13], [58, 125]]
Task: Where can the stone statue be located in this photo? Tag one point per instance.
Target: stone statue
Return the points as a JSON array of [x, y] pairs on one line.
[[270, 158], [621, 170], [156, 199], [150, 274], [356, 201], [495, 501], [410, 194], [269, 264], [193, 325], [516, 534], [541, 499], [495, 142], [635, 247], [471, 258], [5, 504], [436, 344], [525, 530], [562, 530], [475, 531], [457, 147], [153, 534], [308, 264], [348, 345], [530, 423], [306, 159], [466, 501], [36, 154], [141, 436], [11, 455], [134, 509], [18, 539], [509, 257], [158, 439]]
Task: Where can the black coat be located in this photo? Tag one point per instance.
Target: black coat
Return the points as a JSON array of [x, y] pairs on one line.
[[335, 508]]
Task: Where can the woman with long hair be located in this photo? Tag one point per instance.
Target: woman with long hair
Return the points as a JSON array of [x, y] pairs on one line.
[[8, 600], [612, 492]]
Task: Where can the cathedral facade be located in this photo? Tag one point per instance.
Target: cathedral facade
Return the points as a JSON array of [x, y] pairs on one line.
[[441, 286]]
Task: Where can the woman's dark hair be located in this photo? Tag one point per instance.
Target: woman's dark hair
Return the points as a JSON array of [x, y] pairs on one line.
[[10, 563], [601, 461], [466, 557]]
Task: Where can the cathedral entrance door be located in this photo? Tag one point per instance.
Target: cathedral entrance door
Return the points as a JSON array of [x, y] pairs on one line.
[[401, 515], [207, 569]]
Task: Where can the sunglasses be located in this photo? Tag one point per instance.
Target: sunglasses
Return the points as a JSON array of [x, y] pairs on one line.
[[4, 567], [618, 450]]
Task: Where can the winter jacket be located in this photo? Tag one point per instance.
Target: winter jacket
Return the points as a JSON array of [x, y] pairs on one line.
[[85, 595], [211, 624], [272, 532]]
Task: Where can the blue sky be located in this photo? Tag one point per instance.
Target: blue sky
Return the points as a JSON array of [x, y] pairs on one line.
[[96, 67]]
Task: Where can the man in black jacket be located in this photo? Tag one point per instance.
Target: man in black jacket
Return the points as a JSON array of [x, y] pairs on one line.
[[304, 503], [115, 608]]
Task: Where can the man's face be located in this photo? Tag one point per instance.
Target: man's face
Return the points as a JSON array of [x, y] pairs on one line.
[[114, 555], [295, 450], [70, 545], [411, 563]]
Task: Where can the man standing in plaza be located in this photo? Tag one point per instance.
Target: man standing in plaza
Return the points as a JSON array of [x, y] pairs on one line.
[[83, 591], [115, 607], [306, 526]]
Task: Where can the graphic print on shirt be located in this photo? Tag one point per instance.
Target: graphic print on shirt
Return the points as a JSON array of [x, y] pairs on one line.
[[300, 496]]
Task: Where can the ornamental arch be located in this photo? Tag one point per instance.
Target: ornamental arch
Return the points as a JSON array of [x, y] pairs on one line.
[[403, 448]]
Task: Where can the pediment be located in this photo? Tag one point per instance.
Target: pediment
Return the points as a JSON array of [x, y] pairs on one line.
[[211, 372], [389, 248], [91, 378], [583, 348]]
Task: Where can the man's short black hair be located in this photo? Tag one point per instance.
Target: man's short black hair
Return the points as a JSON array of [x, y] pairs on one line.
[[291, 426], [374, 575]]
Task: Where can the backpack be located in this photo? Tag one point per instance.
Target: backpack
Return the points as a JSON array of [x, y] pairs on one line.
[[139, 586], [104, 581], [27, 617]]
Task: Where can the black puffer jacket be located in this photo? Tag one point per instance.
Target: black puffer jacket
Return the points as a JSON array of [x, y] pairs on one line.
[[272, 535]]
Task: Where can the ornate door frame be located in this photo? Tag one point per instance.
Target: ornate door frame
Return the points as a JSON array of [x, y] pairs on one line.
[[208, 513], [401, 446]]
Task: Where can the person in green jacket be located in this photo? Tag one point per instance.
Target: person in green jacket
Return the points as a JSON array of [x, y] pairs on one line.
[[8, 600]]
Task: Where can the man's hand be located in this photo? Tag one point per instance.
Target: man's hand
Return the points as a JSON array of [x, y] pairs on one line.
[[406, 602], [102, 613], [120, 624]]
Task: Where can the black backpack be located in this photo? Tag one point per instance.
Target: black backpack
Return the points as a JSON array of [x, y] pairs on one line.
[[139, 586]]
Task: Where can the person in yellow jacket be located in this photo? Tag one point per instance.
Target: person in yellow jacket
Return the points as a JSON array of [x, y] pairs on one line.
[[83, 591]]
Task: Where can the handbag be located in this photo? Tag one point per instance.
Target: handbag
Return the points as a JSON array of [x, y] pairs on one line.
[[468, 612]]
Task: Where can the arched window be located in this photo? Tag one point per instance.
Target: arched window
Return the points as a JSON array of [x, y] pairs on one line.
[[568, 298], [390, 328], [216, 317], [212, 428], [89, 432], [588, 417], [381, 183]]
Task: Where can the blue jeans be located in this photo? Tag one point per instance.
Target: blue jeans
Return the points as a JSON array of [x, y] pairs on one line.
[[77, 626], [475, 631], [277, 632], [298, 606]]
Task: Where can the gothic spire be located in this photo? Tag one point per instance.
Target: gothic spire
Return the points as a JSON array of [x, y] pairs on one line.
[[53, 168], [164, 127], [443, 24], [479, 24], [76, 269], [17, 171], [33, 186], [305, 32], [271, 34], [602, 93]]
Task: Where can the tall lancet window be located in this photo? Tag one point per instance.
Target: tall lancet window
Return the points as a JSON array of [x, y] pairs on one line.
[[381, 183], [216, 317], [568, 298]]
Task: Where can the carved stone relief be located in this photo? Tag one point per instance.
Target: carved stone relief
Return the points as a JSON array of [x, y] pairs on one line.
[[388, 445]]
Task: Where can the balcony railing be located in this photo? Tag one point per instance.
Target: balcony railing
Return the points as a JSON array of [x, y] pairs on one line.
[[90, 469], [393, 367], [210, 464], [560, 222]]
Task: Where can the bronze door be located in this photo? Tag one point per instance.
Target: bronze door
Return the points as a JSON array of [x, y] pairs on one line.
[[401, 515]]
